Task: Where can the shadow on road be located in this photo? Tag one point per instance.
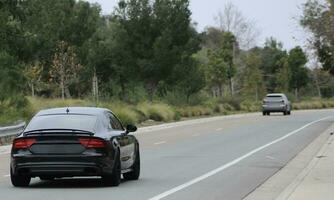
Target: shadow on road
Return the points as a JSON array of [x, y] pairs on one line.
[[70, 183]]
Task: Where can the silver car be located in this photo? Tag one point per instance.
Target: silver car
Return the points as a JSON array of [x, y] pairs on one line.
[[276, 102]]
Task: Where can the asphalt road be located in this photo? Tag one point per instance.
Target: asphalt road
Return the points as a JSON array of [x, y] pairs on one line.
[[220, 159]]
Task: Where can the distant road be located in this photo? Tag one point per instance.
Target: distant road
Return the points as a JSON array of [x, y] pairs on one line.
[[218, 159]]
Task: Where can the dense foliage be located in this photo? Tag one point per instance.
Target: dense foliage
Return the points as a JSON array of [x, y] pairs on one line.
[[148, 50]]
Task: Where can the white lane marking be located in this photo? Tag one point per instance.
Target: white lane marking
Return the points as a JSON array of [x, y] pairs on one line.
[[270, 157], [158, 143], [223, 167], [8, 175], [219, 129]]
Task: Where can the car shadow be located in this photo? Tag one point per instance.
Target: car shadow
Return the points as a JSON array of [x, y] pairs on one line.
[[71, 183], [276, 115]]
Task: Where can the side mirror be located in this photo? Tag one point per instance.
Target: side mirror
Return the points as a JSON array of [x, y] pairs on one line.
[[131, 128]]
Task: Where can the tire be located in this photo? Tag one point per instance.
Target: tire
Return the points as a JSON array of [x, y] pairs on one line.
[[268, 113], [113, 179], [47, 178], [19, 180], [289, 112], [135, 173], [285, 113], [264, 113]]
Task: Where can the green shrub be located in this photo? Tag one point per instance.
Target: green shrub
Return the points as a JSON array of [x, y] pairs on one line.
[[156, 111], [161, 112], [126, 113], [250, 106]]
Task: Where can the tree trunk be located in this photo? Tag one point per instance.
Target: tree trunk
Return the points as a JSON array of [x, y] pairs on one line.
[[317, 85], [220, 90], [231, 86], [296, 94], [67, 93], [62, 86], [257, 93], [32, 90], [151, 87], [123, 94], [95, 88]]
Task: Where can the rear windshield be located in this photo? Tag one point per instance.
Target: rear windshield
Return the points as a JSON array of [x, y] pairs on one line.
[[274, 98], [80, 122]]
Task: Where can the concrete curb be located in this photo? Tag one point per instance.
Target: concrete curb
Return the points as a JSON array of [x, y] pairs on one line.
[[282, 184], [305, 172]]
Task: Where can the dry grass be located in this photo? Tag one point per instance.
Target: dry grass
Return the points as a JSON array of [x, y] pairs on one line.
[[157, 111]]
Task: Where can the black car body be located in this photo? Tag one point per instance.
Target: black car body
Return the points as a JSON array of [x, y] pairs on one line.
[[75, 141]]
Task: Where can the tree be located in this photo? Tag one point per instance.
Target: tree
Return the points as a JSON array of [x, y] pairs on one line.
[[47, 22], [221, 66], [65, 68], [232, 20], [299, 74], [271, 56], [216, 73], [253, 84], [227, 52], [323, 82], [11, 45], [33, 74], [212, 38], [318, 18], [158, 37], [191, 78], [283, 76]]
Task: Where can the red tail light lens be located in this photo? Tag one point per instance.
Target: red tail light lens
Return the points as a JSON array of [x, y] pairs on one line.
[[92, 142], [23, 143]]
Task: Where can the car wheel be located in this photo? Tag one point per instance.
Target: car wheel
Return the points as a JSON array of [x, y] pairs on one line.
[[289, 112], [264, 113], [134, 174], [19, 180], [285, 112], [268, 113], [47, 178], [113, 179]]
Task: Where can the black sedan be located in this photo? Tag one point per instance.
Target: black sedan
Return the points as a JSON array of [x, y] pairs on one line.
[[75, 141]]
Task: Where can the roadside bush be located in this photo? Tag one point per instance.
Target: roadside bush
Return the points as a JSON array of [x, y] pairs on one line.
[[127, 116], [13, 109], [124, 112], [195, 111], [156, 111], [250, 106], [133, 114], [161, 112]]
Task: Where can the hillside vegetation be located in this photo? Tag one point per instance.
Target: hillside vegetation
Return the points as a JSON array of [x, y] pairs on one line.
[[147, 60], [148, 113]]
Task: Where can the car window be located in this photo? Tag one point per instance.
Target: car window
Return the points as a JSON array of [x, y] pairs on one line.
[[114, 122], [274, 98], [80, 122]]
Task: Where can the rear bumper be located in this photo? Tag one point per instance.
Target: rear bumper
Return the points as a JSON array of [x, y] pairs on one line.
[[280, 108], [62, 166]]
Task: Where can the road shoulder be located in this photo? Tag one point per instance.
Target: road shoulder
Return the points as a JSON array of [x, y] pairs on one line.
[[292, 181]]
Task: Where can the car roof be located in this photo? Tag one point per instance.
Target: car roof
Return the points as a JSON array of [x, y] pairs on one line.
[[275, 94], [73, 110]]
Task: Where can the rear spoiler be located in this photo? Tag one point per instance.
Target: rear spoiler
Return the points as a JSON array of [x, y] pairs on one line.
[[58, 132]]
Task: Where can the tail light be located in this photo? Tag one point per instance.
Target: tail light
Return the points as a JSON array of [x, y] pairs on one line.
[[92, 142], [23, 143]]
